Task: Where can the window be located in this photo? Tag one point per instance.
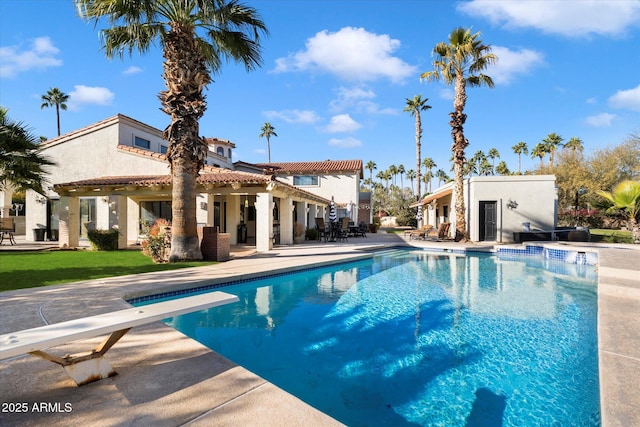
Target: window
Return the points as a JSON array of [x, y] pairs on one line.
[[229, 152], [305, 180], [150, 211], [141, 142], [220, 151], [163, 149]]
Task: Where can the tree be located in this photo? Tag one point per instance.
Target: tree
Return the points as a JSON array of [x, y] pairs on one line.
[[371, 166], [267, 132], [626, 197], [502, 168], [429, 164], [539, 151], [393, 171], [21, 165], [479, 159], [55, 98], [574, 144], [551, 143], [401, 172], [442, 177], [520, 148], [195, 36], [460, 62], [493, 154], [411, 176], [413, 106]]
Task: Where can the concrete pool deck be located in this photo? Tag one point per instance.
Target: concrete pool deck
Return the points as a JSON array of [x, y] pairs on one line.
[[167, 379]]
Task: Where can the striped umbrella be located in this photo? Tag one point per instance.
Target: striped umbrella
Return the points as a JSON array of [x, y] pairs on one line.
[[333, 216], [419, 214]]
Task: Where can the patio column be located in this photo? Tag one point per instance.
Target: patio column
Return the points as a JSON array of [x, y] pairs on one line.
[[264, 222], [69, 234], [313, 214], [121, 208], [286, 221], [6, 197], [233, 217]]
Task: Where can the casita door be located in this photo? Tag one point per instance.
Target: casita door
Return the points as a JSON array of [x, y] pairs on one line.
[[488, 221]]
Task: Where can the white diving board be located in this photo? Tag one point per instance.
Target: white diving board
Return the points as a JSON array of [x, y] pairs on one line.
[[92, 366]]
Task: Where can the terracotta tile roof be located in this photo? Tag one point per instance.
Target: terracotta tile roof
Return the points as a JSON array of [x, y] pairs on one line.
[[142, 152], [215, 140], [325, 166]]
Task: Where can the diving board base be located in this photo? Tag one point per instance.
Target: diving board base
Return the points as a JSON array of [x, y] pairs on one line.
[[87, 367]]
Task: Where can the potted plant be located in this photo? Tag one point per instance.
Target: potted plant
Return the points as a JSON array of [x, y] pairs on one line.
[[298, 232]]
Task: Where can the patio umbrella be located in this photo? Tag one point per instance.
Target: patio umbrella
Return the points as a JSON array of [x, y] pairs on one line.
[[333, 216], [419, 214]]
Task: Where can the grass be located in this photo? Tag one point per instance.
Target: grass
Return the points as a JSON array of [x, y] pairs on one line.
[[19, 270], [601, 235]]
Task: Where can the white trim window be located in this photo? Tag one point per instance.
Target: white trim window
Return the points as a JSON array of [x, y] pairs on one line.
[[306, 180], [141, 143]]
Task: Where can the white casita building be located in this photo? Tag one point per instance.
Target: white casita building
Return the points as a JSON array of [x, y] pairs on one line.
[[114, 174], [496, 206]]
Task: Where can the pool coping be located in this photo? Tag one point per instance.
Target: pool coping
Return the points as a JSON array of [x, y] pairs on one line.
[[240, 396]]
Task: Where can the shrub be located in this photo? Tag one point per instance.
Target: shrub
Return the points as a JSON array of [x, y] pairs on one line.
[[311, 234], [157, 245], [104, 240]]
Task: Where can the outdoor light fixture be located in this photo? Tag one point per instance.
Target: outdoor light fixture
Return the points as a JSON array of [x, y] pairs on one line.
[[512, 204], [246, 202]]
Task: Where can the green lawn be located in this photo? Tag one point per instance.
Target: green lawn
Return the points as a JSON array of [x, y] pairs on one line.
[[20, 270], [610, 236]]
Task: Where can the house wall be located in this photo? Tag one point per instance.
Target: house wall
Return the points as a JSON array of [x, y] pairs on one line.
[[536, 199]]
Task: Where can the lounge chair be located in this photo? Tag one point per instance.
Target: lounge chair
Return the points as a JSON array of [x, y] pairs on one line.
[[440, 234], [420, 233]]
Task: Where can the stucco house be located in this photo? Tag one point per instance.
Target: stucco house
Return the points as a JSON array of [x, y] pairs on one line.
[[496, 206], [114, 174]]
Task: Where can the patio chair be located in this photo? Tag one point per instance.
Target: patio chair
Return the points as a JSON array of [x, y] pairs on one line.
[[420, 233], [343, 230], [362, 229], [441, 233], [7, 229], [323, 231]]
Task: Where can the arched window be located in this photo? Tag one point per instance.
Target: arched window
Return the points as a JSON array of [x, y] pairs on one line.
[[220, 151]]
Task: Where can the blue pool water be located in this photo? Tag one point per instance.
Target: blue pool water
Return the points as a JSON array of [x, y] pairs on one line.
[[415, 338]]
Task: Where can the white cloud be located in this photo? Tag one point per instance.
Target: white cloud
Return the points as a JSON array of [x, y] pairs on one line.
[[446, 93], [342, 123], [600, 120], [348, 97], [87, 95], [352, 54], [40, 55], [259, 151], [348, 142], [628, 99], [511, 63], [567, 18], [132, 70], [293, 116]]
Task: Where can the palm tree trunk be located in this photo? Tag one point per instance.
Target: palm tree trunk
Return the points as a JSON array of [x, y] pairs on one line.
[[185, 74], [269, 148], [418, 154], [58, 116], [459, 144]]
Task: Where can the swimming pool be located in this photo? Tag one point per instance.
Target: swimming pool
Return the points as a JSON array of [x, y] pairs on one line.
[[418, 338]]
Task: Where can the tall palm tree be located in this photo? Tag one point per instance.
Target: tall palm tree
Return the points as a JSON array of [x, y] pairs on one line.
[[520, 148], [21, 165], [493, 154], [429, 164], [267, 132], [502, 168], [442, 177], [479, 158], [393, 171], [411, 176], [626, 197], [574, 144], [381, 176], [551, 143], [401, 171], [55, 98], [196, 37], [413, 106], [371, 166], [460, 62], [539, 151]]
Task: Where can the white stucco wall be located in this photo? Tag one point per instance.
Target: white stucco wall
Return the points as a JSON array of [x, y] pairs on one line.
[[536, 199]]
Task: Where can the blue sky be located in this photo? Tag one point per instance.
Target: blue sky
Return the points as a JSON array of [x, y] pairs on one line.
[[336, 75]]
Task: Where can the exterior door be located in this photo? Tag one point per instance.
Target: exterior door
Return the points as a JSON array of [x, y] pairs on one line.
[[488, 221]]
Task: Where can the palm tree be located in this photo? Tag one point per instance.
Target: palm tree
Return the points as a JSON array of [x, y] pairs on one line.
[[55, 98], [21, 165], [381, 176], [429, 164], [502, 168], [539, 151], [393, 171], [411, 176], [401, 172], [551, 142], [196, 37], [460, 62], [626, 197], [493, 154], [442, 176], [479, 158], [267, 132], [520, 148], [413, 107], [574, 144], [371, 166]]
